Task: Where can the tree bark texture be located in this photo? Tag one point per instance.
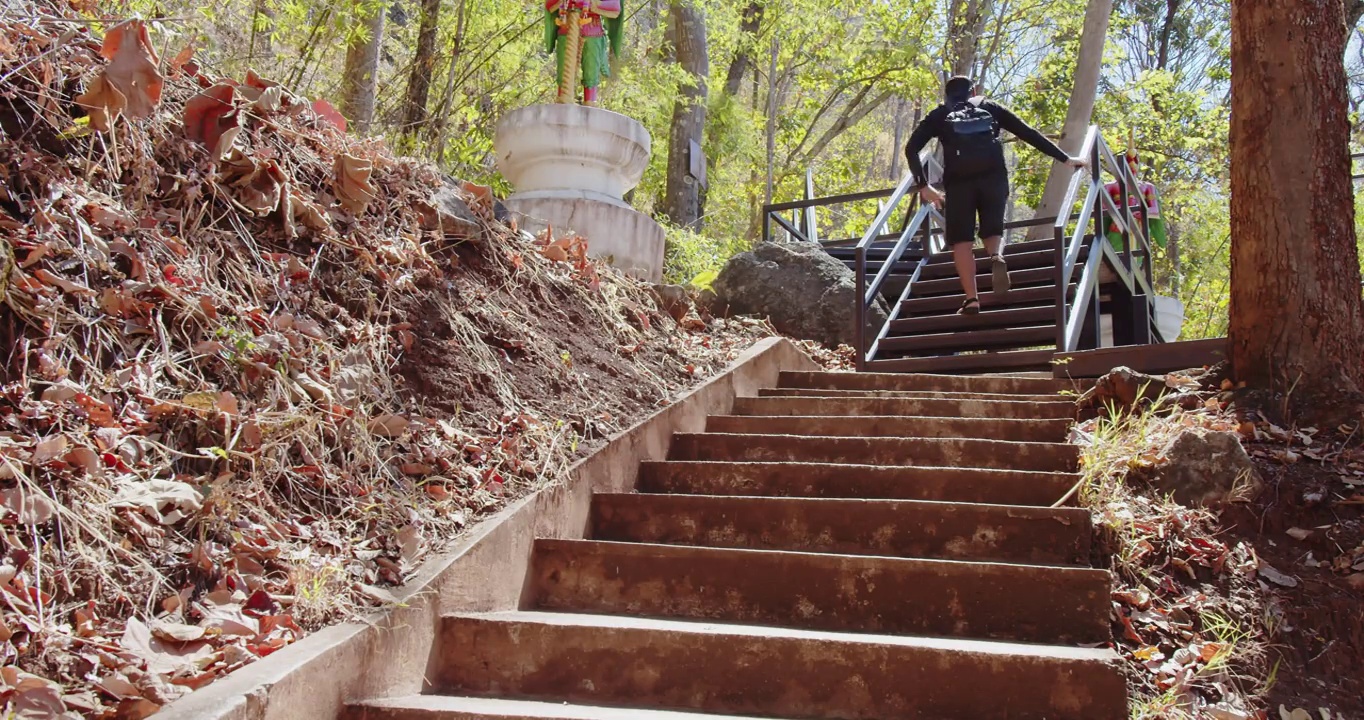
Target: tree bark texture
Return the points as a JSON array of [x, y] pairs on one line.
[[743, 57], [1088, 66], [362, 71], [1295, 315], [966, 23], [682, 198], [423, 67]]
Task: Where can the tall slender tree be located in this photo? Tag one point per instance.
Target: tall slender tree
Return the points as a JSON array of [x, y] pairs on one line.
[[1296, 321], [682, 197], [361, 74], [423, 68], [1083, 93]]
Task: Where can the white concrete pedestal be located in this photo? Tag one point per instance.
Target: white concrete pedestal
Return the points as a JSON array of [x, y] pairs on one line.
[[571, 165]]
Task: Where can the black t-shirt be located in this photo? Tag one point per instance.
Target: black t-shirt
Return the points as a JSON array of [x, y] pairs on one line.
[[934, 125]]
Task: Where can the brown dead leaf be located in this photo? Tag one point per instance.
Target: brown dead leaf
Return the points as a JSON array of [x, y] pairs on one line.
[[555, 252], [48, 450], [212, 119], [68, 286], [351, 182], [182, 58], [132, 67], [102, 102], [177, 632], [161, 658], [87, 460], [388, 425], [230, 620], [29, 508]]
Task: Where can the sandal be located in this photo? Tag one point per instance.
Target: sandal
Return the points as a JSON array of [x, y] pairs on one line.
[[970, 306]]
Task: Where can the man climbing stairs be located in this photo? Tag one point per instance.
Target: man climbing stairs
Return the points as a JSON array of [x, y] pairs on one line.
[[853, 546]]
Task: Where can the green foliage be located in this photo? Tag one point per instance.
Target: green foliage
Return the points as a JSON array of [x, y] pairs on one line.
[[694, 259], [841, 75]]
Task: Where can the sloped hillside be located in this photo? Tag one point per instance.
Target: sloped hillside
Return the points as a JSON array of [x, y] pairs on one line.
[[256, 367]]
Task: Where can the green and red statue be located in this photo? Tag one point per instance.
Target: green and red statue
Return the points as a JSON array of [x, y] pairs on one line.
[[578, 33]]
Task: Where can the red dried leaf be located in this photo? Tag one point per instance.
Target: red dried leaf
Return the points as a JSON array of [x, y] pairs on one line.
[[326, 112], [211, 118]]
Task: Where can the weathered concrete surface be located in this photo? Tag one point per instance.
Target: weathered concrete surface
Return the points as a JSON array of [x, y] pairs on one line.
[[923, 407], [1010, 384], [895, 528], [485, 571], [919, 394], [1014, 430], [936, 452], [822, 480], [644, 663], [851, 593]]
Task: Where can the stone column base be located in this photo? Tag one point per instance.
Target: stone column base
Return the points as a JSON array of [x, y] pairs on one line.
[[615, 232]]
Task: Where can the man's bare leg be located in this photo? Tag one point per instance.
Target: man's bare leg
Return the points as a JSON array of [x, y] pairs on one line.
[[999, 270], [965, 260]]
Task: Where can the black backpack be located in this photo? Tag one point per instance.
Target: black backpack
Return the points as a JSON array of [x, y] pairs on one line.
[[971, 141]]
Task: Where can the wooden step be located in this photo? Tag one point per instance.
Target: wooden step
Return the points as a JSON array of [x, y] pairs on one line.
[[974, 363], [893, 528], [988, 339], [831, 480], [1063, 396], [814, 591], [448, 707], [985, 283], [774, 672], [1005, 317], [923, 383], [948, 304], [1018, 430], [1009, 250], [1016, 261], [931, 407], [935, 452]]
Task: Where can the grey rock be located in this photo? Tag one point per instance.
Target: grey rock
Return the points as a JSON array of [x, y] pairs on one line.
[[448, 212], [1204, 469], [805, 292], [672, 299]]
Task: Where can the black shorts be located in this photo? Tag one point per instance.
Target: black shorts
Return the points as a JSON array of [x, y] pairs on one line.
[[984, 196]]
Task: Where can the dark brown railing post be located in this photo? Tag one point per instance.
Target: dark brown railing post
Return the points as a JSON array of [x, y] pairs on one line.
[[767, 225], [1062, 282]]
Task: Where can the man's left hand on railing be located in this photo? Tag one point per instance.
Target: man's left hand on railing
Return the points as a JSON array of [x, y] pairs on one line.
[[932, 196], [1078, 162]]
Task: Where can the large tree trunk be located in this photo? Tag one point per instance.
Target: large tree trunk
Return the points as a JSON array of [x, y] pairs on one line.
[[1081, 108], [1295, 316], [362, 71], [966, 23], [423, 66], [743, 57], [682, 199]]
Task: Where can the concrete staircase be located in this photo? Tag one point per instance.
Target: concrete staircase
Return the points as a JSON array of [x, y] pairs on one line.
[[850, 546]]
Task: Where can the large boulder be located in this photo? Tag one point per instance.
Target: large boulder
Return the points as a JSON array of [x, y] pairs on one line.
[[805, 292], [1204, 469]]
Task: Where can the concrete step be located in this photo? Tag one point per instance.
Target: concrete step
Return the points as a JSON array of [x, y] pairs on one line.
[[845, 593], [892, 426], [825, 480], [448, 707], [931, 407], [1056, 398], [893, 528], [922, 383], [935, 452], [773, 672]]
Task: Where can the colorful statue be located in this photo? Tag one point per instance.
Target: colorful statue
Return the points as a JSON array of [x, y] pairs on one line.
[[1142, 199], [577, 32]]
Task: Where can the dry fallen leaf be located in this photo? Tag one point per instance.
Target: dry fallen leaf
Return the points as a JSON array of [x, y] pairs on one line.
[[212, 119], [29, 508], [329, 114], [132, 67], [352, 185], [103, 102], [388, 425]]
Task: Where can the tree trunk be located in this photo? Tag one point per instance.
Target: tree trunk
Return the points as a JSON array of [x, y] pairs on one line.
[[897, 145], [1166, 30], [682, 200], [423, 66], [743, 57], [965, 22], [1087, 68], [362, 71], [1295, 316], [772, 116]]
